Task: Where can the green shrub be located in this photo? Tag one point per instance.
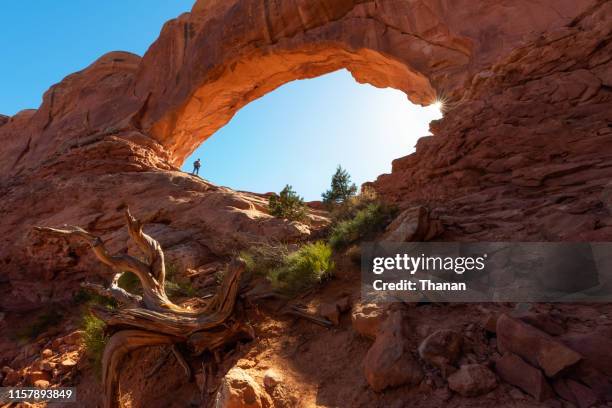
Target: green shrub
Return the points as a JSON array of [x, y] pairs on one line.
[[303, 268], [94, 339], [290, 271], [287, 205], [262, 258], [366, 222]]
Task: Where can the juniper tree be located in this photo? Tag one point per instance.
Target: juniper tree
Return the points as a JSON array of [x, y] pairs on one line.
[[341, 188]]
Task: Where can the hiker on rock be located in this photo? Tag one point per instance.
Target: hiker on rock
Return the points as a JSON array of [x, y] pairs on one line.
[[196, 167]]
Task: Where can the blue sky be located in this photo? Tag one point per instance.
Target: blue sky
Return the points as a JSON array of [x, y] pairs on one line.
[[295, 135], [42, 41], [299, 133]]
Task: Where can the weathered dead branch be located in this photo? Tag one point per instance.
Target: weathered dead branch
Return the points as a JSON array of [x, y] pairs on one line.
[[153, 319]]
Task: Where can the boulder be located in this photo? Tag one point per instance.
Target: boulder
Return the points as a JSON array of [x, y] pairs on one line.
[[67, 364], [239, 390], [272, 378], [575, 392], [561, 264], [47, 365], [514, 370], [389, 362], [73, 338], [600, 383], [535, 346], [366, 319], [562, 389], [584, 396], [413, 224], [489, 321], [595, 348], [281, 395], [333, 310], [441, 349], [472, 380]]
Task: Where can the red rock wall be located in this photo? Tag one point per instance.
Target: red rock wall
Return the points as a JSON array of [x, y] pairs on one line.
[[527, 153]]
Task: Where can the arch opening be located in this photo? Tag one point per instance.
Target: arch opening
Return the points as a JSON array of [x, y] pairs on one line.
[[225, 91], [301, 131]]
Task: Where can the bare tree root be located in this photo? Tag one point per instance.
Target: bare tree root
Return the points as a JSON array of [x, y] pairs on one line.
[[181, 360], [160, 362], [153, 319], [116, 349]]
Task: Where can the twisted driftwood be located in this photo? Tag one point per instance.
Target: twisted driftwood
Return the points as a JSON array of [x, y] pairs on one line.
[[153, 319]]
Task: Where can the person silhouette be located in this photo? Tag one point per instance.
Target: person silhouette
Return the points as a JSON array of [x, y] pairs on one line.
[[196, 167]]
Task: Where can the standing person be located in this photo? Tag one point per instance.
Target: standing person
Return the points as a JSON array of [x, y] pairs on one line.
[[196, 167]]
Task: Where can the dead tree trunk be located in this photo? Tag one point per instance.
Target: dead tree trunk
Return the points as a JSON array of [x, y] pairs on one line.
[[154, 319]]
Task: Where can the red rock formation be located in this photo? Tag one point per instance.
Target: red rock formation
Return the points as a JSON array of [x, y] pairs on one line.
[[529, 133], [524, 152], [527, 153]]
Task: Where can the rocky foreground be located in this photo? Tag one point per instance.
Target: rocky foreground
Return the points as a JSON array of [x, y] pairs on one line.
[[524, 152]]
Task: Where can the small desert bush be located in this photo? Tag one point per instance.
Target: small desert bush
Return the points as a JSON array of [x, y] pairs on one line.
[[303, 268], [291, 271], [260, 259], [95, 340], [287, 205], [364, 225]]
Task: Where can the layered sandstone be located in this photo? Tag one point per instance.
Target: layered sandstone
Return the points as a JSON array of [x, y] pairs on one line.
[[528, 130], [527, 153], [524, 152]]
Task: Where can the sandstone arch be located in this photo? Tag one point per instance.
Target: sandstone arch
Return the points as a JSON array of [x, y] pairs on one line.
[[209, 63], [174, 93]]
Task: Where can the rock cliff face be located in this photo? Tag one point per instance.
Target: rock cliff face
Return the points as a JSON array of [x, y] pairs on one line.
[[527, 153], [523, 151]]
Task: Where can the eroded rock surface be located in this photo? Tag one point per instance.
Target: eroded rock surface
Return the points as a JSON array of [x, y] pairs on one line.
[[524, 152], [513, 158], [389, 362]]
